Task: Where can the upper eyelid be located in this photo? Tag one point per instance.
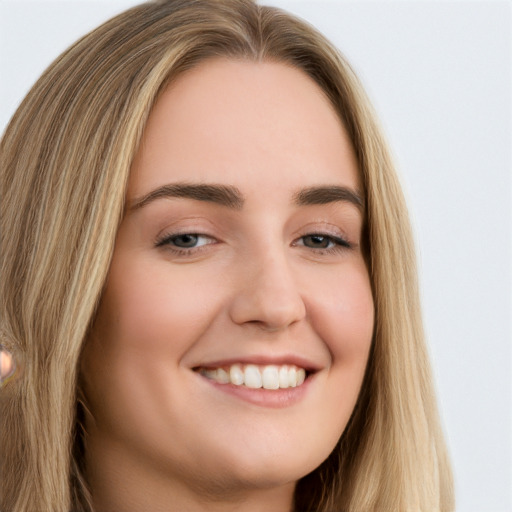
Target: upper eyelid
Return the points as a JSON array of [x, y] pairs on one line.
[[313, 228], [323, 228]]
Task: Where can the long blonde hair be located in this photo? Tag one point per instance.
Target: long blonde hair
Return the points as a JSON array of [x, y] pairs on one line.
[[65, 160]]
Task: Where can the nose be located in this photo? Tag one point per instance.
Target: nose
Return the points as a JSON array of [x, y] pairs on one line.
[[267, 294]]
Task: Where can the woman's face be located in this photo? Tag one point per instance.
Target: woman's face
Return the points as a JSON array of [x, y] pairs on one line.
[[239, 259]]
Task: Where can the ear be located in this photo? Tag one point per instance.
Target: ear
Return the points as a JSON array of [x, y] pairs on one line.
[[7, 365]]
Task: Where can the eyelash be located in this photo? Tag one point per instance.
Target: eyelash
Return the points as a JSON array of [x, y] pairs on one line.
[[167, 240], [338, 244]]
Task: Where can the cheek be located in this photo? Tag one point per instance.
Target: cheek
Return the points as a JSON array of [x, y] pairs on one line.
[[146, 322], [344, 315], [152, 309]]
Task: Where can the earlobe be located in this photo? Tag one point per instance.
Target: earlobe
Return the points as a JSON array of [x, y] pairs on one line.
[[7, 365]]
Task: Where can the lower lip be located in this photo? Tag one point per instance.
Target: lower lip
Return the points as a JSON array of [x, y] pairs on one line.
[[273, 398]]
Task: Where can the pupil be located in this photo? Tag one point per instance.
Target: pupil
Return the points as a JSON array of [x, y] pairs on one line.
[[185, 240], [317, 241]]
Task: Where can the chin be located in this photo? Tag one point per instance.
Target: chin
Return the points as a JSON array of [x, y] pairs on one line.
[[270, 467]]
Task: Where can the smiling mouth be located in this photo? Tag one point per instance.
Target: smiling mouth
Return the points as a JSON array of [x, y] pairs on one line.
[[256, 377]]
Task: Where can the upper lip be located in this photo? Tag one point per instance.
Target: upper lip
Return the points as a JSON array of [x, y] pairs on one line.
[[264, 360]]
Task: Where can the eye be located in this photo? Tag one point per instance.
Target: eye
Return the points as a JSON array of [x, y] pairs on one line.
[[317, 241], [185, 241], [323, 242]]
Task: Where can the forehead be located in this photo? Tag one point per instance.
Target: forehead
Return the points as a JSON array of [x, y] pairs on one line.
[[233, 120]]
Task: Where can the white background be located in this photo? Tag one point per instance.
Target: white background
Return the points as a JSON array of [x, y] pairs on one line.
[[440, 76]]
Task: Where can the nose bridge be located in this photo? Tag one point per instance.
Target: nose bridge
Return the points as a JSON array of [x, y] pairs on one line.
[[268, 294]]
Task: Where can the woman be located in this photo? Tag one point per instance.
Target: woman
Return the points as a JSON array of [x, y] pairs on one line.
[[208, 279]]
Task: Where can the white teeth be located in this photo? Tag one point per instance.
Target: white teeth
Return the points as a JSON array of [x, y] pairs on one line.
[[222, 376], [211, 374], [283, 377], [292, 377], [236, 375], [255, 377], [270, 377], [252, 377]]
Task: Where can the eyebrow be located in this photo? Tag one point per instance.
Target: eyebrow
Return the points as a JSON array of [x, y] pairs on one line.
[[224, 195], [231, 197], [328, 194]]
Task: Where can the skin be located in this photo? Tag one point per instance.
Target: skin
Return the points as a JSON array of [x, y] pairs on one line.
[[6, 365], [161, 436]]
